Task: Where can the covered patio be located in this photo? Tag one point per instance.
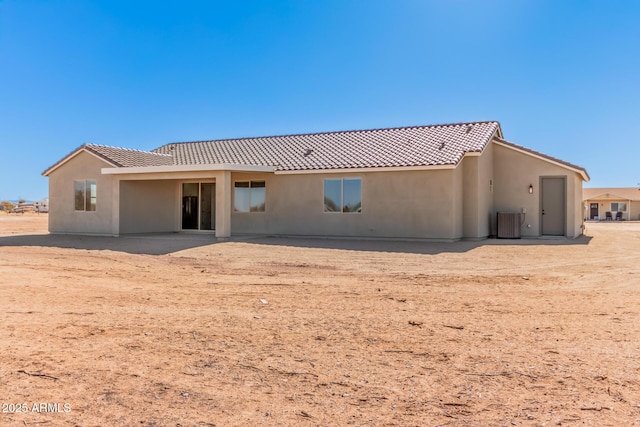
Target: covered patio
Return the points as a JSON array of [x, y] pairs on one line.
[[161, 199]]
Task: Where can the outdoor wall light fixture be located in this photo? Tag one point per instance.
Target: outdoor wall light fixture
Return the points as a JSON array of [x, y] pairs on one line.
[[530, 188]]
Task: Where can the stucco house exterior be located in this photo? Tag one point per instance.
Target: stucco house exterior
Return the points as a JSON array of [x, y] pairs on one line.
[[621, 203], [440, 182]]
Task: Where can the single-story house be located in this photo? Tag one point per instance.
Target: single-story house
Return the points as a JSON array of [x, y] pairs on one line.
[[442, 182], [620, 203]]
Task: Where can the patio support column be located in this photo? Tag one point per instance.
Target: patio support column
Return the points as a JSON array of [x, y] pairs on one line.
[[223, 205], [115, 206], [178, 207]]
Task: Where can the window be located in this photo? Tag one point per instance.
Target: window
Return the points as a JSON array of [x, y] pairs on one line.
[[249, 196], [85, 195], [343, 195], [619, 207]]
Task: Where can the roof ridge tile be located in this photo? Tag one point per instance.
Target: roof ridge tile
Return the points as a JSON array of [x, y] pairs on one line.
[[91, 144], [349, 131]]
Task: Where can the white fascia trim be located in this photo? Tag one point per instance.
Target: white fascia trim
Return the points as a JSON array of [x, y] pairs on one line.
[[584, 177], [361, 170], [71, 156], [187, 168]]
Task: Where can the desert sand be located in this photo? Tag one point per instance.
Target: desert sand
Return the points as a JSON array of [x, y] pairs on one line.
[[177, 330]]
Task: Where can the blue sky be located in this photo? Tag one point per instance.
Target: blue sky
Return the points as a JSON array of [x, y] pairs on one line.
[[562, 77]]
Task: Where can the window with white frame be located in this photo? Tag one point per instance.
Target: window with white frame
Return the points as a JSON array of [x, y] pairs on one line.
[[619, 207], [85, 195], [249, 196], [343, 195]]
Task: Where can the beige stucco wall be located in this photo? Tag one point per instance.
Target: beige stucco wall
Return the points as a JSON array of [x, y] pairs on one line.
[[63, 218], [635, 211], [445, 204], [478, 195], [149, 206], [575, 211], [457, 212], [485, 191], [470, 196], [415, 204], [514, 172]]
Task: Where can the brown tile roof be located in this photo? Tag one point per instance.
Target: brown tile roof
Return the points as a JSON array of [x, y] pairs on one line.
[[435, 145], [577, 168], [628, 193], [117, 156], [127, 157], [406, 146]]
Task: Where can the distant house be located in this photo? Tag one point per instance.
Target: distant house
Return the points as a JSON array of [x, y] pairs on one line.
[[443, 182], [599, 201]]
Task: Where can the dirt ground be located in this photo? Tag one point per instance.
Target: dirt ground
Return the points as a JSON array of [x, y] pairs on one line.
[[175, 330]]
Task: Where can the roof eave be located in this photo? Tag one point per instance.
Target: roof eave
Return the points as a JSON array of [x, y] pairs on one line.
[[497, 134], [74, 153], [365, 169], [605, 196], [577, 169], [186, 168]]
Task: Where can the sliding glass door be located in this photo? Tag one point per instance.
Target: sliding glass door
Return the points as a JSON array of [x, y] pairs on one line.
[[198, 206]]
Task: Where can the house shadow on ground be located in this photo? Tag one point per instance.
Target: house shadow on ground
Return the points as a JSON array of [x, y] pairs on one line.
[[148, 244], [413, 246], [162, 244]]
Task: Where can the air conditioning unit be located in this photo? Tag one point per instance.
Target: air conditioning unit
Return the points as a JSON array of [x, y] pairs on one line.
[[509, 224]]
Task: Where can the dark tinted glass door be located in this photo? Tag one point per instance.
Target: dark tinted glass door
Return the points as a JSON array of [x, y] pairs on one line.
[[190, 206]]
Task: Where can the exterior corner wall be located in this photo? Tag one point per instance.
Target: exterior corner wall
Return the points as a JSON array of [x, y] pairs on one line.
[[470, 193], [63, 218], [575, 209], [458, 198], [486, 212], [478, 195]]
